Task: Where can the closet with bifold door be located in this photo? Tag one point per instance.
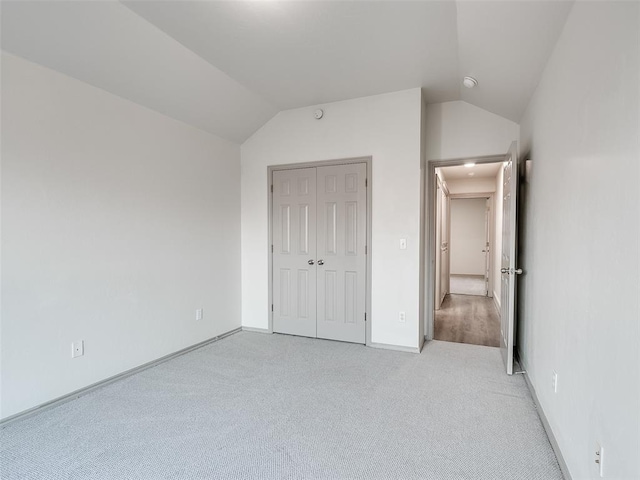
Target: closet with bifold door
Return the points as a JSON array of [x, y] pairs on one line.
[[319, 232]]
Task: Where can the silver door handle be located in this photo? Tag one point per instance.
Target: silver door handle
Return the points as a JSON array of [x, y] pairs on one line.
[[485, 251], [310, 262], [511, 271], [320, 262]]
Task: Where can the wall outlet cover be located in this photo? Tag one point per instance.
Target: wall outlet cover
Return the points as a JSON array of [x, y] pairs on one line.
[[77, 349]]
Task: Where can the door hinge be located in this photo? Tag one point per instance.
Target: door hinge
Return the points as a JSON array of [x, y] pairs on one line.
[[272, 307], [366, 182], [271, 188], [365, 316], [365, 249], [271, 248]]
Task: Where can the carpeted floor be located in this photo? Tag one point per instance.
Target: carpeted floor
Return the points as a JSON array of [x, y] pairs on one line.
[[467, 285], [255, 406]]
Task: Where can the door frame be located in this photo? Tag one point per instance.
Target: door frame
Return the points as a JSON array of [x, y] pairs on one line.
[[492, 229], [368, 250], [430, 209]]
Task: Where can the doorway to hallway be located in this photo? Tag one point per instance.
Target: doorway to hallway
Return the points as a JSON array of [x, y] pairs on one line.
[[503, 281], [469, 239]]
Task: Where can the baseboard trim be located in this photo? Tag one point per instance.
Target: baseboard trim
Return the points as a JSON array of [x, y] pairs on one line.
[[496, 301], [256, 330], [547, 428], [398, 348], [102, 383]]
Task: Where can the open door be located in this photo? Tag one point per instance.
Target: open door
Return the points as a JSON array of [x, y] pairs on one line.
[[442, 242], [509, 268], [445, 271], [487, 247]]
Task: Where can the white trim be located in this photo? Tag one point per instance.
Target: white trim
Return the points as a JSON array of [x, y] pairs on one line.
[[547, 428], [397, 348], [102, 383], [256, 330], [496, 301], [324, 163]]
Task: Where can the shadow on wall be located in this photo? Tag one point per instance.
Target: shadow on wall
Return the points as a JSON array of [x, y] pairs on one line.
[[434, 121], [523, 221]]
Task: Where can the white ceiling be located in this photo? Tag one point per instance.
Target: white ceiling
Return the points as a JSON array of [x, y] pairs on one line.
[[481, 170], [227, 67]]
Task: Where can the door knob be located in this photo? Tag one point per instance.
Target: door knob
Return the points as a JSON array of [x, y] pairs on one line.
[[310, 262], [511, 271], [320, 262]]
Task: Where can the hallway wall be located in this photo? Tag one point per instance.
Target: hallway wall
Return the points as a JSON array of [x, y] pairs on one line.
[[579, 310], [467, 236]]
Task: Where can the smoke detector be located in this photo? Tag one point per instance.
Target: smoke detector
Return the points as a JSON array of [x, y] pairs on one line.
[[469, 82]]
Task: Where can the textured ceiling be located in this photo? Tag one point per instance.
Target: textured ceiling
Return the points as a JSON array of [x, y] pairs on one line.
[[227, 67]]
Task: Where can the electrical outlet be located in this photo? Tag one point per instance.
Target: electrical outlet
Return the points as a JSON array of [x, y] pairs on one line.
[[199, 314], [554, 382], [77, 349], [402, 317], [599, 458]]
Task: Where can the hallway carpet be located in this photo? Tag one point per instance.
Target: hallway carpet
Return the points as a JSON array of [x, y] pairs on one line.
[[256, 406]]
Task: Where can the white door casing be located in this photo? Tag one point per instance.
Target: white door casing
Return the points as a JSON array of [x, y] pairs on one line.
[[294, 247], [439, 245], [509, 270], [341, 244], [445, 272], [319, 235]]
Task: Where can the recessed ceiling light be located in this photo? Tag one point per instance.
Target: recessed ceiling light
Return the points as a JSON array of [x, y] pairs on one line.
[[469, 165], [471, 174], [469, 82]]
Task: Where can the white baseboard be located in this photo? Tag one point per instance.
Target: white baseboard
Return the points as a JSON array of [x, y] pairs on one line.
[[399, 348], [94, 386], [256, 330], [547, 428]]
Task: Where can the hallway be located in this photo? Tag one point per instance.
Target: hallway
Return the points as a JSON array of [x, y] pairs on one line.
[[468, 319]]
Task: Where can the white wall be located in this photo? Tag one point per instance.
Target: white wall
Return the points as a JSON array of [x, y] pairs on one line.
[[581, 285], [386, 127], [468, 236], [423, 221], [497, 235], [117, 223], [461, 130]]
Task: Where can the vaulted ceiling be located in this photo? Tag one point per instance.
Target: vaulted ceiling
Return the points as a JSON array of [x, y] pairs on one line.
[[228, 66]]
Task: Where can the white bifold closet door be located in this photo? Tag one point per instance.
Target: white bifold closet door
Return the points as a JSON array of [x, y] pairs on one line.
[[319, 260]]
